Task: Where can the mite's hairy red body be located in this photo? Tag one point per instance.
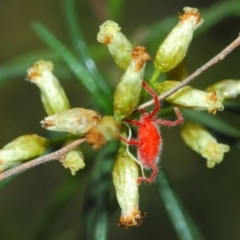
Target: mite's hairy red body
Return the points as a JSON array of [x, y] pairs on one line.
[[148, 151], [149, 140]]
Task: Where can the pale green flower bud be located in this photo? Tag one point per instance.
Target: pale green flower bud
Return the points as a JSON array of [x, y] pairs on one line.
[[106, 129], [174, 48], [53, 96], [202, 142], [74, 160], [190, 98], [118, 45], [125, 175], [229, 88], [127, 93], [21, 149], [75, 120]]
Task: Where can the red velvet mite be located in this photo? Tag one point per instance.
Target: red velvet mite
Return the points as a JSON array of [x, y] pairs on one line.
[[149, 141]]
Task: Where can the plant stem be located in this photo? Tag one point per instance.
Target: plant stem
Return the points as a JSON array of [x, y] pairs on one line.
[[154, 77], [37, 161]]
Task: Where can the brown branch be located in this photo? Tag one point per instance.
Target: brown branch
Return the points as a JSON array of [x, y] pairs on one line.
[[37, 161], [189, 79]]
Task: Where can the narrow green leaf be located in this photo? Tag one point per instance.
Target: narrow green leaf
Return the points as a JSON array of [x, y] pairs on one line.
[[115, 8], [80, 72], [81, 48], [183, 224], [4, 183], [60, 197], [96, 204], [212, 122], [215, 13], [18, 66], [231, 106]]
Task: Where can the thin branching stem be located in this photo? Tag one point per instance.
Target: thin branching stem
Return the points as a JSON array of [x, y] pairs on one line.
[[40, 160], [189, 79]]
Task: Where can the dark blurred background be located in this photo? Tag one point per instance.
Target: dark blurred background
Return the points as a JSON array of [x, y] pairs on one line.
[[211, 196]]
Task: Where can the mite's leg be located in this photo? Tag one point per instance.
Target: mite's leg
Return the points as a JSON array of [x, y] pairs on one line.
[[152, 177], [155, 97], [171, 123]]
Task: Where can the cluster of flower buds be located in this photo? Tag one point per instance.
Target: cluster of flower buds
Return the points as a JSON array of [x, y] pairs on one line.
[[22, 149], [174, 48], [126, 98], [201, 141], [125, 175], [53, 96], [190, 98], [132, 61], [97, 130]]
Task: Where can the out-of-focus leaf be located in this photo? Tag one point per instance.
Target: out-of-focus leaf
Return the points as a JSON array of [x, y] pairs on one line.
[[233, 107], [56, 205], [159, 30], [221, 10], [81, 47], [96, 204], [4, 183], [115, 8], [18, 66], [185, 228], [80, 72]]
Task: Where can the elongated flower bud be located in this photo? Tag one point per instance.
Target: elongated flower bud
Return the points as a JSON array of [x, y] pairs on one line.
[[229, 88], [174, 48], [202, 142], [74, 160], [106, 129], [118, 45], [75, 120], [53, 96], [21, 149], [127, 93], [190, 98], [125, 175]]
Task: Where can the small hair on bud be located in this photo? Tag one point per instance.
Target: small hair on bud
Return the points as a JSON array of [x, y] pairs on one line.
[[38, 69], [191, 13], [107, 31], [140, 54]]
